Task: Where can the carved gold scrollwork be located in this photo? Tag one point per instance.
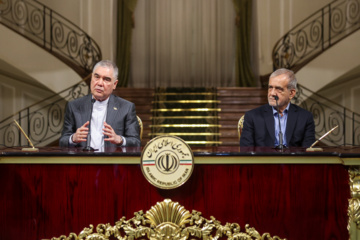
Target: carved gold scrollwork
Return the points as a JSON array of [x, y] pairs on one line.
[[169, 220], [354, 202]]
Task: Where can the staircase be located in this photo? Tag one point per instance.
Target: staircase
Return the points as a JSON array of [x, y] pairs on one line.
[[189, 113], [202, 117], [142, 97], [52, 32], [234, 102]]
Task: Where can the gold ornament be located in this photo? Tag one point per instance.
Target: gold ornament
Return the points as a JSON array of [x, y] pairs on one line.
[[168, 220], [354, 202]]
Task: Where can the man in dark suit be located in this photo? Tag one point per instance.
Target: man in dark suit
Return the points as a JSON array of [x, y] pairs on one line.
[[113, 119], [261, 126]]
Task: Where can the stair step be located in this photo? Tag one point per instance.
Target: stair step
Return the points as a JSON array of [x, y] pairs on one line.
[[234, 103], [185, 117], [186, 110], [187, 101], [238, 108], [185, 94], [231, 115], [224, 108], [185, 125], [134, 92], [223, 91], [184, 134], [241, 101]]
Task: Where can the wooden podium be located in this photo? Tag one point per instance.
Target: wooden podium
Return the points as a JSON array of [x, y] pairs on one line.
[[291, 194]]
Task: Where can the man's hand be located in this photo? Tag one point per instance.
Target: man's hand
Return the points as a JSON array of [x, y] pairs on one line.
[[81, 133], [112, 137]]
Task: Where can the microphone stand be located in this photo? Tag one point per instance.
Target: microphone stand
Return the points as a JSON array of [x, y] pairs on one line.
[[88, 141], [281, 145]]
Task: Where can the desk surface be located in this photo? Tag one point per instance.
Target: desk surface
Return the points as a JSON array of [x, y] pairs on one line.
[[348, 155]]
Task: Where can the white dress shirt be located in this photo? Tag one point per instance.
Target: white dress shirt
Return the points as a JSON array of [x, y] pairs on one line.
[[283, 122], [97, 124]]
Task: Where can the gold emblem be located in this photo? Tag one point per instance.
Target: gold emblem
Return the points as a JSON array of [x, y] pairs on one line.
[[167, 162], [169, 220]]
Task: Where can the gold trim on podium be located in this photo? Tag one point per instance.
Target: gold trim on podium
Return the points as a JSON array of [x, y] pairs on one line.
[[187, 101], [354, 203], [168, 220], [67, 159]]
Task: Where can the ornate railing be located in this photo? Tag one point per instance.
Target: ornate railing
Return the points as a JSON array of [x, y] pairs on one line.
[[52, 32], [316, 34], [328, 114], [42, 122]]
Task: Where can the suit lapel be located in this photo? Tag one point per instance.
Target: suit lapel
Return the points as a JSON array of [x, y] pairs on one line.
[[269, 121], [291, 122], [86, 109], [111, 111]]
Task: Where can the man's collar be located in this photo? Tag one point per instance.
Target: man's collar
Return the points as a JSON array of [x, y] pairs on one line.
[[286, 109], [103, 101]]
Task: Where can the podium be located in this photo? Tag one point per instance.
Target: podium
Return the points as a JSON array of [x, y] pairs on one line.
[[292, 194]]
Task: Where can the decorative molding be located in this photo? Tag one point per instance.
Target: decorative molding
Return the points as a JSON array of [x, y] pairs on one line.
[[354, 202], [168, 220]]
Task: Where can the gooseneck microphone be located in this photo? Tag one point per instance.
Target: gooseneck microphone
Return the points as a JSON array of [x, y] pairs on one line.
[[88, 141], [281, 145]]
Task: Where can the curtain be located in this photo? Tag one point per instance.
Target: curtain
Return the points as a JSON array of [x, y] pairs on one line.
[[244, 74], [125, 26], [184, 43]]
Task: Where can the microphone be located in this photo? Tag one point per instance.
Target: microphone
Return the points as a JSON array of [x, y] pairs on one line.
[[32, 149], [311, 149], [280, 146], [88, 141]]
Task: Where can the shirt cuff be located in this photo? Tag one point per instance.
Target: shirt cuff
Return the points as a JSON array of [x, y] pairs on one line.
[[70, 140], [123, 142], [71, 143]]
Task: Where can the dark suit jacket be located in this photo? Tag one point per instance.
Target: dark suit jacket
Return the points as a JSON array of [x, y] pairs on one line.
[[259, 128], [121, 116]]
